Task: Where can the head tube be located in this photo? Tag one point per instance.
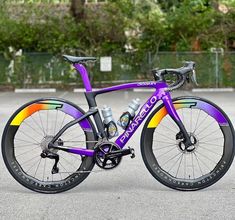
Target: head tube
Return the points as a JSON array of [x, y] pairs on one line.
[[84, 74]]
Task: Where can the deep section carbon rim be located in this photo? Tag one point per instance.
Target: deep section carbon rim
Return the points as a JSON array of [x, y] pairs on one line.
[[201, 164], [201, 158], [25, 138]]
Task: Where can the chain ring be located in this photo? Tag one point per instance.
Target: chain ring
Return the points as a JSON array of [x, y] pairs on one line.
[[101, 150]]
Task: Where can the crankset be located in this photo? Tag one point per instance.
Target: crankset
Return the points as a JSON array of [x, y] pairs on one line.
[[108, 155]]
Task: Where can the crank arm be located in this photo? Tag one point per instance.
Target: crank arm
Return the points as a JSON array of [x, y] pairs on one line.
[[120, 153]]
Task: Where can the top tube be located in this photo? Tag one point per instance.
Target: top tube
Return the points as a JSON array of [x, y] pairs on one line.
[[86, 81]]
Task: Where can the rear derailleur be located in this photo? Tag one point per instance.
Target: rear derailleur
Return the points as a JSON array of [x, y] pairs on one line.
[[51, 155]]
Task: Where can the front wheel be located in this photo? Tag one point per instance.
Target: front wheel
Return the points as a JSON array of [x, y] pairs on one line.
[[202, 164], [27, 135]]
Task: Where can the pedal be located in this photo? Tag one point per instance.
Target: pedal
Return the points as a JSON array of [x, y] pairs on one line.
[[132, 152]]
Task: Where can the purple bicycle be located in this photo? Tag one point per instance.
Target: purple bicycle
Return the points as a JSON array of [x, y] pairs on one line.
[[51, 145]]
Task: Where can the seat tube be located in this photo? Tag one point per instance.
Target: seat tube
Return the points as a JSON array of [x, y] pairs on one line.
[[84, 74]]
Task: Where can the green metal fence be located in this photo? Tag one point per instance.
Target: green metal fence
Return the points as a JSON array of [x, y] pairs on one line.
[[206, 66], [45, 70]]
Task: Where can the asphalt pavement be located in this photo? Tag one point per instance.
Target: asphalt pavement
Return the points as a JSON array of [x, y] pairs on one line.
[[126, 192]]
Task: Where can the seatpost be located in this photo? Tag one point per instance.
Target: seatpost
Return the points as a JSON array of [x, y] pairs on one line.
[[83, 72]]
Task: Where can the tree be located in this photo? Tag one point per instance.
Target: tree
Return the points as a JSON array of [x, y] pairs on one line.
[[77, 9]]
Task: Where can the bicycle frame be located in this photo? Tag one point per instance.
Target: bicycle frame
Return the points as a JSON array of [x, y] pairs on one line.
[[160, 93]]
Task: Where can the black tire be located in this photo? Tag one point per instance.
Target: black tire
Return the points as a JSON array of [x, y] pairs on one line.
[[182, 175], [11, 147]]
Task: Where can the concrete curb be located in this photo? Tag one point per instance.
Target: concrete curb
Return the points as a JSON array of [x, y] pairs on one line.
[[143, 90], [83, 90], [80, 90], [213, 90], [35, 90]]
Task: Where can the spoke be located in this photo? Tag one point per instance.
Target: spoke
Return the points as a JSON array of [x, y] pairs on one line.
[[63, 121], [184, 166], [172, 148], [27, 151], [191, 120], [210, 151], [204, 164], [69, 133], [28, 136], [24, 122], [37, 168], [17, 139], [193, 166], [60, 176], [182, 115], [44, 169], [171, 158], [174, 164], [78, 158], [210, 140], [47, 122], [162, 135], [209, 134], [32, 166], [32, 143], [206, 127], [41, 123], [207, 158], [37, 124], [158, 148], [64, 168], [163, 142], [71, 138], [206, 143], [174, 125], [179, 165], [55, 121], [204, 119], [197, 121], [29, 160], [68, 162], [23, 146], [168, 128], [198, 163]]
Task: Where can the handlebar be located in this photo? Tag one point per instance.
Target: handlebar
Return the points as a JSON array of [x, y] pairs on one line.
[[181, 73]]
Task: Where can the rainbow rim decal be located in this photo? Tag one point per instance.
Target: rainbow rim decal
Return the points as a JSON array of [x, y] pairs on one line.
[[50, 105], [189, 103]]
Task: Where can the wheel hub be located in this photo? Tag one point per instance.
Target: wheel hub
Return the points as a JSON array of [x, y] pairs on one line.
[[190, 149], [44, 144]]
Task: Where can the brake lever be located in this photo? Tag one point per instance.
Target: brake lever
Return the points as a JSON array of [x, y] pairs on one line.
[[194, 78]]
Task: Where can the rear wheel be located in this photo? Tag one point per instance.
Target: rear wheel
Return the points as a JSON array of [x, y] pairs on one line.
[[27, 135], [202, 164]]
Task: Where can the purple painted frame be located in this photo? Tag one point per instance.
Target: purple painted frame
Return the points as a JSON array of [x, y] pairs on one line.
[[160, 93]]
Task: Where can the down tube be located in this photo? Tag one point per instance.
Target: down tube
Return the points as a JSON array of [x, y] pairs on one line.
[[138, 119]]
